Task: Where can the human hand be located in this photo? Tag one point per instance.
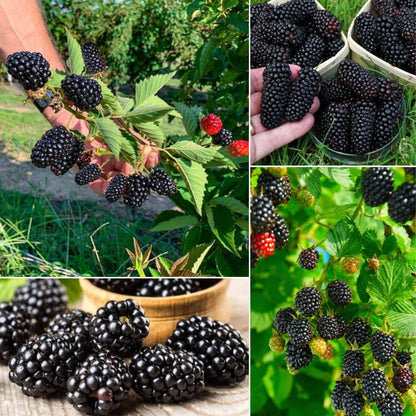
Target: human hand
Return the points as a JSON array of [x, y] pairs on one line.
[[265, 141]]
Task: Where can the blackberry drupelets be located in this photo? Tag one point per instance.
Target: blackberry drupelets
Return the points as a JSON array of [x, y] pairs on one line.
[[83, 92], [390, 405], [260, 13], [211, 124], [403, 379], [384, 7], [359, 332], [402, 203], [406, 23], [328, 327], [297, 11], [388, 90], [366, 31], [304, 89], [162, 183], [353, 363], [333, 47], [31, 69], [277, 190], [99, 385], [339, 292], [128, 286], [263, 218], [223, 138], [377, 186], [63, 164], [85, 159], [282, 33], [308, 259], [280, 232], [305, 199], [298, 356], [363, 120], [137, 190], [263, 244], [341, 387], [42, 299], [119, 327], [389, 114], [383, 347], [342, 325], [402, 359], [219, 346], [374, 384], [333, 90], [88, 174], [308, 301], [116, 188], [275, 94], [167, 287], [300, 332], [326, 25], [261, 53], [283, 318], [93, 60], [352, 403], [163, 375], [311, 53]]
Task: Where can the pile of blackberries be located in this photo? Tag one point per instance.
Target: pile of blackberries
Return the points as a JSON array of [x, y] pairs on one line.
[[52, 350]]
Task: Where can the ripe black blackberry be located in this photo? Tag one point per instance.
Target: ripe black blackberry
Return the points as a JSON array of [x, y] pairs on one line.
[[276, 189], [137, 190], [275, 94], [311, 53], [308, 259], [297, 11], [14, 329], [116, 188], [377, 186], [342, 325], [339, 292], [163, 375], [353, 363], [304, 89], [389, 114], [99, 385], [62, 165], [42, 299], [402, 203], [328, 327], [300, 331], [333, 47], [85, 159], [219, 346], [263, 218], [374, 385], [31, 69], [261, 12], [388, 89], [308, 301], [261, 53], [282, 33], [124, 286], [359, 332], [406, 23], [93, 60], [43, 365], [333, 90], [326, 24], [390, 405], [162, 183], [403, 379], [383, 347], [366, 32], [298, 356], [283, 318], [363, 120], [402, 358], [341, 387], [223, 138], [352, 403], [88, 174], [167, 287], [362, 84], [280, 232], [384, 7], [83, 92]]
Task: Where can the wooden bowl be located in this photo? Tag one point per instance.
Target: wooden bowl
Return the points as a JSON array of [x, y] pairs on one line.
[[164, 313]]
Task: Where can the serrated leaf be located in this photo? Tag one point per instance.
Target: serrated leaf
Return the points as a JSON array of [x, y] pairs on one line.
[[389, 244], [370, 244], [152, 132], [162, 268], [179, 265], [234, 205], [154, 100], [193, 151], [150, 86], [75, 54], [126, 104], [223, 160], [278, 384], [403, 239], [402, 316], [341, 176], [193, 237], [146, 113], [205, 57], [197, 255], [188, 118], [362, 283], [110, 101], [180, 221], [313, 182], [223, 267], [343, 240]]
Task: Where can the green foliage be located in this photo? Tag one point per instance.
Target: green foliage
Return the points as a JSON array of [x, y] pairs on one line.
[[340, 225]]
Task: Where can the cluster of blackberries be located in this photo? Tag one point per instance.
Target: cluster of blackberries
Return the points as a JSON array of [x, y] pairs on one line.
[[389, 33], [294, 33], [377, 187], [359, 113], [269, 231], [51, 350], [283, 100]]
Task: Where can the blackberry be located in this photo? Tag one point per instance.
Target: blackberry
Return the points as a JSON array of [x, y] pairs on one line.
[[411, 63], [119, 327], [339, 292], [402, 359], [387, 122], [31, 69], [14, 330], [384, 7], [402, 203], [163, 375], [261, 53], [359, 332], [341, 387], [263, 218], [219, 346], [390, 405], [85, 159], [333, 47], [280, 232], [276, 343], [318, 346], [352, 403], [342, 325], [388, 89], [162, 183], [406, 23], [128, 286], [83, 92], [363, 120], [326, 24], [62, 165], [260, 13], [42, 299], [377, 186], [297, 11], [383, 347], [88, 174], [93, 60], [263, 244], [116, 188], [254, 259], [374, 385], [333, 90], [283, 318], [99, 385], [403, 379], [361, 83], [366, 32], [167, 287], [353, 363], [300, 332], [275, 94], [308, 259], [298, 356], [308, 301], [351, 265], [137, 190], [276, 189], [304, 89], [43, 365], [283, 33], [328, 327], [223, 138], [311, 53]]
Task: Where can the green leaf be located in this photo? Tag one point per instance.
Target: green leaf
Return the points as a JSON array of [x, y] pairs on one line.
[[402, 316], [223, 160], [223, 267], [197, 256], [179, 221], [343, 240], [126, 104], [362, 283], [75, 56], [150, 86], [152, 132], [56, 78], [110, 101], [278, 383], [262, 311], [146, 113], [231, 203], [193, 151], [370, 244], [313, 181], [390, 243], [205, 59], [8, 287], [113, 137], [188, 118], [341, 176], [154, 100], [193, 237]]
